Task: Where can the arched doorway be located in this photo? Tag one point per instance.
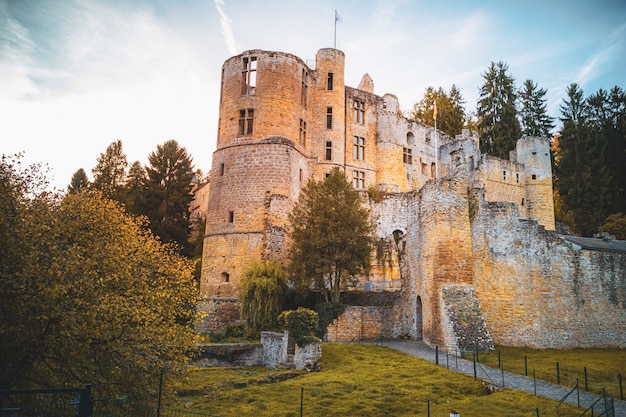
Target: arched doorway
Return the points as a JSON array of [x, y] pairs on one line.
[[418, 318]]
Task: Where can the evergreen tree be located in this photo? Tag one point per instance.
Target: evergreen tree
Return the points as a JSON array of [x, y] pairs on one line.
[[533, 113], [167, 193], [582, 177], [109, 175], [133, 195], [331, 236], [497, 122], [79, 182]]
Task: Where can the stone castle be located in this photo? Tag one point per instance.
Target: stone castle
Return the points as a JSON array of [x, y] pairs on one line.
[[466, 254]]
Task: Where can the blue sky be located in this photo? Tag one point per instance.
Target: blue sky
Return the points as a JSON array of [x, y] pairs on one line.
[[76, 75]]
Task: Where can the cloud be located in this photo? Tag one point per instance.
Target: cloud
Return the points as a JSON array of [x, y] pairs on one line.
[[227, 30]]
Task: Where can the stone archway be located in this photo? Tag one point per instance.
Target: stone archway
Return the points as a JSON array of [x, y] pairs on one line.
[[418, 318]]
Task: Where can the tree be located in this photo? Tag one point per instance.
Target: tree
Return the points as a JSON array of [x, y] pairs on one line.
[[109, 175], [133, 193], [533, 114], [301, 323], [331, 235], [87, 294], [582, 177], [615, 224], [450, 109], [167, 193], [263, 292], [497, 122], [79, 182]]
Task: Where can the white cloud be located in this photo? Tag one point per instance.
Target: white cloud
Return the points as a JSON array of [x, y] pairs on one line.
[[226, 25]]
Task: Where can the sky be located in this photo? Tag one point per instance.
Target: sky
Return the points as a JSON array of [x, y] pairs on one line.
[[77, 75]]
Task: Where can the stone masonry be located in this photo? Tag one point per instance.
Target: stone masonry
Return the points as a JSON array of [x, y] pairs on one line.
[[465, 242]]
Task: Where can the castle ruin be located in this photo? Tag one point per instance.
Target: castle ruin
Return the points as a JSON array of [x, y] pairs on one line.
[[467, 255]]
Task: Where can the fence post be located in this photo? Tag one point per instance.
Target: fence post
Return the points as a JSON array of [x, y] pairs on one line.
[[499, 362], [621, 391], [502, 369], [537, 411], [586, 384], [160, 393], [436, 355], [525, 365], [447, 360], [474, 361], [85, 402], [577, 394], [301, 399], [558, 375], [535, 381]]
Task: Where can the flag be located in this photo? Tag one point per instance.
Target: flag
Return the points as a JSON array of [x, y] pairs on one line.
[[337, 17], [435, 111]]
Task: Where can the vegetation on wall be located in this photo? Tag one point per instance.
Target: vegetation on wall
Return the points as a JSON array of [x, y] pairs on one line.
[[263, 293]]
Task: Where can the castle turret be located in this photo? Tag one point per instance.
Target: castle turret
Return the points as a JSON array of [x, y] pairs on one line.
[[534, 154]]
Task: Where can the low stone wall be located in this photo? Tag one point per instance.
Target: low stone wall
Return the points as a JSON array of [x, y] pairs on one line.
[[274, 351], [357, 323]]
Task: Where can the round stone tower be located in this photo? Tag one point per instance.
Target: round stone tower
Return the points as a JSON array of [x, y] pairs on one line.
[[279, 121], [534, 154]]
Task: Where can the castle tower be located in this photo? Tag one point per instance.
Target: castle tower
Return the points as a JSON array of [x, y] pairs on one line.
[[534, 154], [280, 123]]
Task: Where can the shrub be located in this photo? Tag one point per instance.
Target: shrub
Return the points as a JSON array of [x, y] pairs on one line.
[[301, 324]]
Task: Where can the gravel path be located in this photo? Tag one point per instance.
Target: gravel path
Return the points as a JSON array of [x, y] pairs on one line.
[[495, 376]]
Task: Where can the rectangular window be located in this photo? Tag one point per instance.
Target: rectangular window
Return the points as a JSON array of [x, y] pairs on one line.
[[407, 155], [517, 177], [359, 112], [305, 87], [246, 121], [358, 180], [534, 176], [359, 148], [329, 150], [504, 175], [302, 132], [221, 169], [248, 76], [329, 117], [231, 216], [329, 86]]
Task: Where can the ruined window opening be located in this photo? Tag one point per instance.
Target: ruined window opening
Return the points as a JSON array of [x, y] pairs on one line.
[[358, 179], [329, 85], [300, 175], [359, 148], [248, 84], [517, 177], [433, 169], [407, 155], [522, 202], [424, 167], [329, 117], [302, 132], [231, 216], [534, 176], [225, 277], [222, 169], [504, 175], [329, 150], [410, 139], [305, 87], [246, 121], [359, 112], [471, 163]]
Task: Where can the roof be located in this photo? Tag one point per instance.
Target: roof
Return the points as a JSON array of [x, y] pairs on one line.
[[606, 244]]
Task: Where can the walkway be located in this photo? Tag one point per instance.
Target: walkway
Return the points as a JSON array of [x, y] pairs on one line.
[[514, 381]]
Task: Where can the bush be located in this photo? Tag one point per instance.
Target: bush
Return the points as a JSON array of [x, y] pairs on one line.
[[301, 324], [229, 333]]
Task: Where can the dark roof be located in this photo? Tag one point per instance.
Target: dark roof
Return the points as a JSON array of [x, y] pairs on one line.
[[606, 245]]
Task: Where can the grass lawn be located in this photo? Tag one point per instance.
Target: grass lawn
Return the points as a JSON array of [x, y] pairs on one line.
[[603, 366], [355, 380]]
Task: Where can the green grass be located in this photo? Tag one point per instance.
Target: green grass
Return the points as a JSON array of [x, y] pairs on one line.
[[603, 366], [356, 380]]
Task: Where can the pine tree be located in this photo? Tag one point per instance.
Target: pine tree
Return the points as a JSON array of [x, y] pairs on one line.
[[497, 123], [167, 193], [109, 175], [79, 182], [533, 113], [450, 109]]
